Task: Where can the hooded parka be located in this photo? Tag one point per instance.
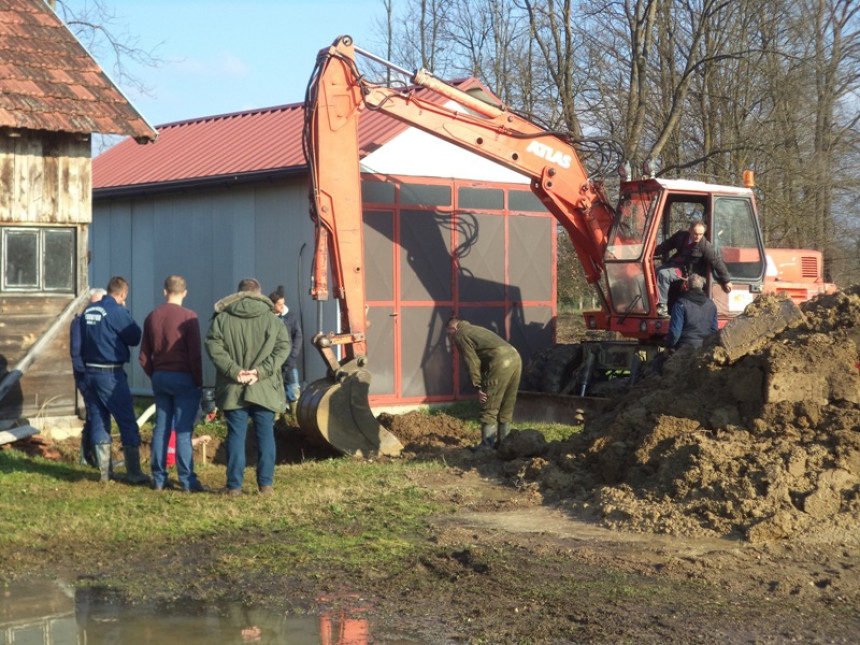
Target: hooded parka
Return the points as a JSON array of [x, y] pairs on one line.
[[245, 334]]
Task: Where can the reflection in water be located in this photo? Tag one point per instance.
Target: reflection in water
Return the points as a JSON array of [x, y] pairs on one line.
[[53, 614]]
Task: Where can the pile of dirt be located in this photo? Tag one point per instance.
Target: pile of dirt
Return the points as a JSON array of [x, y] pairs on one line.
[[762, 443], [756, 436], [426, 436]]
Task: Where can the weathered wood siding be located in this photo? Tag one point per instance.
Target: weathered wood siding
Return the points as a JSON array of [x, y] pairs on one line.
[[48, 387], [45, 178]]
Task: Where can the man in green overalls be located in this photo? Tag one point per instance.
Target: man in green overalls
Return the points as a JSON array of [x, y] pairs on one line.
[[494, 368]]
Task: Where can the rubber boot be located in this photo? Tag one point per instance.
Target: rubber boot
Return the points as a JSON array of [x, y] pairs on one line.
[[102, 451], [488, 437], [134, 475], [504, 431], [294, 407]]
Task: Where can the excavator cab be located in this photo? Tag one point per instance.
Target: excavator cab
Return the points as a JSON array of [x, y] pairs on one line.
[[649, 212]]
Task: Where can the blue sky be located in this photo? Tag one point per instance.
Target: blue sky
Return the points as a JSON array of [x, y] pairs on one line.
[[231, 55]]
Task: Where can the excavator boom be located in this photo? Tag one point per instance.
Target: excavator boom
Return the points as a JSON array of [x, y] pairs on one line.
[[335, 410]]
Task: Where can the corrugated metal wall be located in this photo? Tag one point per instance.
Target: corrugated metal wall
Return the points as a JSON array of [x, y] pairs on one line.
[[213, 238], [431, 245]]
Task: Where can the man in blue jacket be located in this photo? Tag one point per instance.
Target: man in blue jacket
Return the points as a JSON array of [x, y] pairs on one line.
[[694, 316], [75, 342], [108, 331]]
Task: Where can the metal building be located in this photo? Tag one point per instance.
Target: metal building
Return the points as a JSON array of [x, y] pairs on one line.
[[220, 198]]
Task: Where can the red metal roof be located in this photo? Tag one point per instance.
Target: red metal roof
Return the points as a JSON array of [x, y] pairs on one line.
[[227, 145], [48, 81]]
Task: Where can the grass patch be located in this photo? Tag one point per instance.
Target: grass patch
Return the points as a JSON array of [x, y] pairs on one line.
[[348, 513], [357, 517]]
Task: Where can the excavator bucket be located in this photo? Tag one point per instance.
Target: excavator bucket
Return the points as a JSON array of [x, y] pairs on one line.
[[337, 414], [542, 407]]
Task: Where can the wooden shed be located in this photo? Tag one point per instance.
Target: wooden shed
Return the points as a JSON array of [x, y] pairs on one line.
[[220, 198], [53, 96]]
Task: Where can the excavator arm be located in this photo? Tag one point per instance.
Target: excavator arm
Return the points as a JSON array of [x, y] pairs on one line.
[[339, 95], [335, 410]]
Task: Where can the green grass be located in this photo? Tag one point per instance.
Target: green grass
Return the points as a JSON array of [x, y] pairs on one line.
[[343, 511], [469, 412]]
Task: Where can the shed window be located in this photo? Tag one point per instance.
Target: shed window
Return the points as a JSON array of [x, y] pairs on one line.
[[38, 259]]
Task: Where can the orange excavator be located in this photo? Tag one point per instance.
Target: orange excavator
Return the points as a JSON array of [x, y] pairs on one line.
[[615, 243]]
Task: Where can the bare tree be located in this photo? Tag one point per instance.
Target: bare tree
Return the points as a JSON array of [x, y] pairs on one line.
[[552, 30], [422, 39], [99, 28], [711, 87]]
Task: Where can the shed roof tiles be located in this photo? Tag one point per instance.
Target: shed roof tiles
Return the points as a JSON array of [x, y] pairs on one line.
[[48, 81]]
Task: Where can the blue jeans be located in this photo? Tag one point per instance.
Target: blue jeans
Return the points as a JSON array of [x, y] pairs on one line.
[[107, 395], [291, 384], [237, 427], [177, 400], [666, 275]]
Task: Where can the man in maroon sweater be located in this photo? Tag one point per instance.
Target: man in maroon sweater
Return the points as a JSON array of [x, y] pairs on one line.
[[170, 354]]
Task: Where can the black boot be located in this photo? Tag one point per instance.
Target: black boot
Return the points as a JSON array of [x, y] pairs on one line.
[[134, 475], [504, 431], [102, 456]]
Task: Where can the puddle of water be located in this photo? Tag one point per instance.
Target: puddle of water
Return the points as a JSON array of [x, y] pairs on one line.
[[42, 613]]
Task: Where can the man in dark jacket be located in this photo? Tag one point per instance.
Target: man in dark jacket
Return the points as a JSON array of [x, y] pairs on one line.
[[248, 346], [694, 316], [107, 333], [693, 254], [494, 368], [170, 354], [290, 370]]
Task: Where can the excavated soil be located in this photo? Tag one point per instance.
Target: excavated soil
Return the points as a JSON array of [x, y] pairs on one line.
[[755, 437]]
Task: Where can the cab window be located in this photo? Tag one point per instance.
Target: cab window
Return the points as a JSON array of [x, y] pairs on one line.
[[735, 237]]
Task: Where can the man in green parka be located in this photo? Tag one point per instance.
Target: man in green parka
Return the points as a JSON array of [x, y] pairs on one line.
[[248, 345], [494, 368]]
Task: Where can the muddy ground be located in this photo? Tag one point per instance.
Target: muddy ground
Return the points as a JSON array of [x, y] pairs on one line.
[[717, 502], [735, 471]]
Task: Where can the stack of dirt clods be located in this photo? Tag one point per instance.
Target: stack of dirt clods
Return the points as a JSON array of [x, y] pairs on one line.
[[756, 435]]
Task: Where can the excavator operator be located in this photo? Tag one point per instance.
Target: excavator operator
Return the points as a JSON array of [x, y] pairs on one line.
[[693, 254]]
